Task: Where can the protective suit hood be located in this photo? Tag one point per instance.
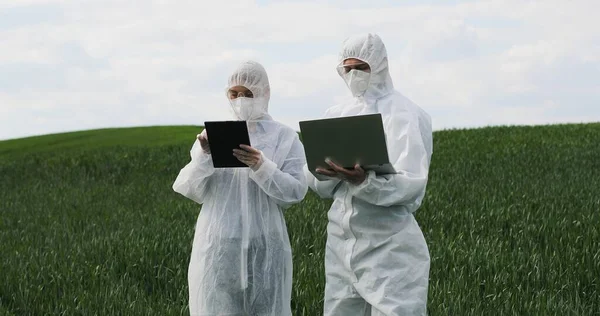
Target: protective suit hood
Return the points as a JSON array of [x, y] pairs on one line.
[[253, 76], [370, 49]]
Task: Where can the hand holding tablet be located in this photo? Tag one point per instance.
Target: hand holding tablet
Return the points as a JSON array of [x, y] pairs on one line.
[[223, 138]]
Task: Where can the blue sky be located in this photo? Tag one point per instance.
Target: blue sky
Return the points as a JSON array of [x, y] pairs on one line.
[[70, 65]]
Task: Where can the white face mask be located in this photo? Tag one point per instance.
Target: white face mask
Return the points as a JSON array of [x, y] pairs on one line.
[[357, 81], [246, 109]]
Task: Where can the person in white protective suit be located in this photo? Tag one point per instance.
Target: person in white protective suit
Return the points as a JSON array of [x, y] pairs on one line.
[[376, 258], [241, 261]]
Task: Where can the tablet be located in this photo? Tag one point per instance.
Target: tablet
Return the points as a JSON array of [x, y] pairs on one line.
[[223, 138], [347, 141]]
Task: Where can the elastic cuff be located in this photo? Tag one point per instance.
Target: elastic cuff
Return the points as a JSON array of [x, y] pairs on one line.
[[265, 171], [366, 186], [205, 162]]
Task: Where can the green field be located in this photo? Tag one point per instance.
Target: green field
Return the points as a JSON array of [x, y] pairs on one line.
[[89, 224]]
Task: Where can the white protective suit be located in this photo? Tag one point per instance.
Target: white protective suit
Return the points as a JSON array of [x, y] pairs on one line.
[[241, 262], [376, 258]]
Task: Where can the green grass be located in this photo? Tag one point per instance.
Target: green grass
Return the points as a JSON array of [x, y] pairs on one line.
[[89, 224], [153, 136]]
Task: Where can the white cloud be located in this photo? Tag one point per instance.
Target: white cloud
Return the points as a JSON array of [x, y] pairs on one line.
[[295, 80], [118, 63]]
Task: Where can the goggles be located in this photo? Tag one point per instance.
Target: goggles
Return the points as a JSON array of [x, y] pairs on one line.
[[344, 69], [231, 94]]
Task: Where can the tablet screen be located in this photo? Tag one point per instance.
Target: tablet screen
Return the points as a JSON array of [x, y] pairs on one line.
[[223, 138]]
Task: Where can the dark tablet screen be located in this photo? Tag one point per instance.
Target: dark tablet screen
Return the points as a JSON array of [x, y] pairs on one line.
[[223, 138]]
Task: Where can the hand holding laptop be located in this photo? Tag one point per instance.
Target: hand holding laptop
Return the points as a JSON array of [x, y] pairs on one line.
[[355, 176], [356, 143]]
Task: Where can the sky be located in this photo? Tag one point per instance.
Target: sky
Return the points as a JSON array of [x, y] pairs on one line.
[[68, 65]]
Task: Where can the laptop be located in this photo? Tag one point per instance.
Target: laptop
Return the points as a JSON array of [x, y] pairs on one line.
[[223, 137], [346, 141]]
